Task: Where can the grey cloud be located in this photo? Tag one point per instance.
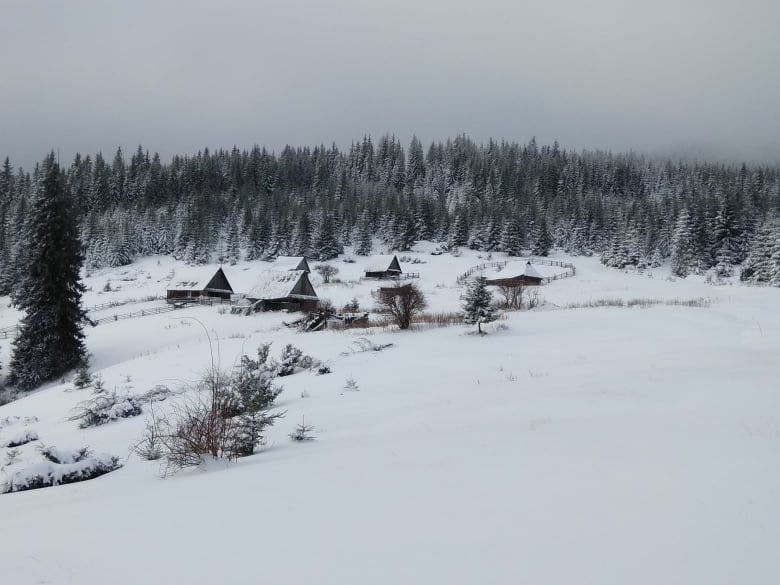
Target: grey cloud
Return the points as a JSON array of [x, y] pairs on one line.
[[177, 76]]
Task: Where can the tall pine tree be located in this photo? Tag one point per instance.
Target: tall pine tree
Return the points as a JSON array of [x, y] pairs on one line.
[[50, 340]]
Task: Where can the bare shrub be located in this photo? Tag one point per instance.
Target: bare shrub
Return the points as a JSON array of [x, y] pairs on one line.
[[226, 418], [326, 271], [512, 297], [532, 298], [402, 302]]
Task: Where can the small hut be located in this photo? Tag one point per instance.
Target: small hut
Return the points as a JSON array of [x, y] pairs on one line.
[[290, 290], [283, 263], [194, 288], [514, 275], [383, 266]]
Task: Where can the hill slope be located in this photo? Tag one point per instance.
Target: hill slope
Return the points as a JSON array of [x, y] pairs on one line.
[[593, 445]]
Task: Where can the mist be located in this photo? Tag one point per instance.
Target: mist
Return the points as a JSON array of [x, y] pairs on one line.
[[687, 78]]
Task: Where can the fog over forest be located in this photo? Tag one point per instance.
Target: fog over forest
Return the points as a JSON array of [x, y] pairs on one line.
[[689, 78]]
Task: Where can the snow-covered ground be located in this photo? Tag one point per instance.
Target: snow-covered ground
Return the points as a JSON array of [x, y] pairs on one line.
[[590, 446]]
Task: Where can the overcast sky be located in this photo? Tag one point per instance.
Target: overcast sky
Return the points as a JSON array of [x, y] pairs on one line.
[[176, 76]]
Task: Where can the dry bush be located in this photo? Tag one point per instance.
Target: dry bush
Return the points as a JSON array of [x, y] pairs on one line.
[[440, 319], [637, 302], [426, 320], [594, 303], [401, 302], [225, 419], [700, 302], [513, 297]]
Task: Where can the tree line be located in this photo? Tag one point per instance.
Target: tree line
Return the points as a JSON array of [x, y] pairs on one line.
[[236, 204]]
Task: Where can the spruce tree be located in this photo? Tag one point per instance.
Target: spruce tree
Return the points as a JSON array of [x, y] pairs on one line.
[[478, 304], [683, 246], [512, 238], [50, 340], [542, 241]]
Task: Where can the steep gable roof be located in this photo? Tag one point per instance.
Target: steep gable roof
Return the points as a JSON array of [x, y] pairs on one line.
[[290, 263], [274, 284], [383, 263], [200, 279]]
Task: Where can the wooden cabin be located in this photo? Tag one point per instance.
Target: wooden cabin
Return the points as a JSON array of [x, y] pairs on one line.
[[288, 290], [283, 263], [383, 266], [197, 287], [514, 275]]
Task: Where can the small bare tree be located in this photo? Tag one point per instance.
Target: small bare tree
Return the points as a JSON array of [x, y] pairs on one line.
[[513, 296], [402, 302], [326, 271]]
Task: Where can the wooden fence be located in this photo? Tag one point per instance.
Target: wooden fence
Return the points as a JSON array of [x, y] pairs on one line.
[[9, 332], [13, 330], [141, 313], [113, 304], [570, 269]]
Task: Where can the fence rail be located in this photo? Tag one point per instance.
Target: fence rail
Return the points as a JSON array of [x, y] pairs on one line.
[[113, 304], [13, 330], [141, 313], [570, 269], [8, 332]]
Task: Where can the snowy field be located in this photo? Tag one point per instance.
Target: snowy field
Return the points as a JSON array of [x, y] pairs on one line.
[[603, 446]]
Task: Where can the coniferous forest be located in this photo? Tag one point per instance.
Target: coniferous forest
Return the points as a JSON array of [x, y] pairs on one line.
[[500, 196]]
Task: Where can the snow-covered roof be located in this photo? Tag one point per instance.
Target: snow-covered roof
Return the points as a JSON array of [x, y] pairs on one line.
[[379, 262], [529, 270], [287, 262], [516, 268], [275, 284], [195, 279]]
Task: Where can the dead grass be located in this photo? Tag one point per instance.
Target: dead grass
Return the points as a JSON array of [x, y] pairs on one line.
[[642, 303]]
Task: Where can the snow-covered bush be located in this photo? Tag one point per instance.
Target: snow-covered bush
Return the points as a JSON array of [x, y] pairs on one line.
[[19, 439], [105, 408], [60, 467]]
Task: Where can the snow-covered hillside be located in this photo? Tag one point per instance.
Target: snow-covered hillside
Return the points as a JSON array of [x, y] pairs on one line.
[[606, 445]]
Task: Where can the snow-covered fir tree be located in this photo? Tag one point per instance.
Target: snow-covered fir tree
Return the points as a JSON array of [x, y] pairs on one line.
[[542, 243], [683, 246], [478, 305], [50, 340], [763, 262]]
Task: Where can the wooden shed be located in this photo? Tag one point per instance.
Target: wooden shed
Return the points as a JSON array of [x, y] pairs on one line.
[[283, 263], [383, 266], [514, 274], [289, 290], [196, 287]]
